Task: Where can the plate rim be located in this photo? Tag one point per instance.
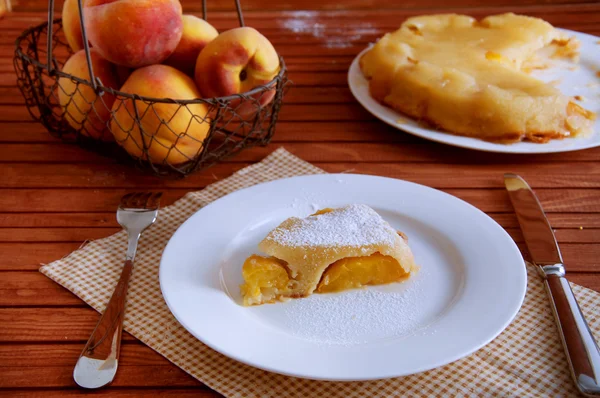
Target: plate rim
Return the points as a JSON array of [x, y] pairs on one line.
[[445, 137], [389, 374]]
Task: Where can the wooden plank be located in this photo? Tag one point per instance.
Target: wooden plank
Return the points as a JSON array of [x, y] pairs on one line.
[[29, 235], [580, 17], [591, 281], [31, 256], [28, 131], [289, 112], [33, 289], [127, 376], [100, 176], [108, 219], [61, 220], [132, 354], [380, 152], [386, 16], [200, 391], [104, 200], [312, 141], [371, 131], [214, 5], [47, 324], [295, 95]]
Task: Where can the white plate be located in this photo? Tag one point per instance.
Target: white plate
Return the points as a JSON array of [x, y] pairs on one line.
[[471, 283], [582, 81]]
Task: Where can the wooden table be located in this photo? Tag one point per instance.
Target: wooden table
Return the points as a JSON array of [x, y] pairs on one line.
[[54, 196]]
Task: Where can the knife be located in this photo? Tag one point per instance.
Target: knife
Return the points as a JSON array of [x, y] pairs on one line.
[[580, 347]]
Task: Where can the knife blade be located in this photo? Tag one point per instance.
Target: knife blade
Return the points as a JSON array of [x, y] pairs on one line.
[[539, 238], [580, 346]]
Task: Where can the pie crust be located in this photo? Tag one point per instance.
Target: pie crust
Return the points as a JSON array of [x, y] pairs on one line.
[[331, 250]]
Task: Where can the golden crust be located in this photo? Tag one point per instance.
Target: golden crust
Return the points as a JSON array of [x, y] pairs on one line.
[[468, 77], [307, 262]]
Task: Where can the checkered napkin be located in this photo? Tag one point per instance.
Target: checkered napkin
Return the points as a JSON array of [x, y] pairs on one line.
[[525, 360]]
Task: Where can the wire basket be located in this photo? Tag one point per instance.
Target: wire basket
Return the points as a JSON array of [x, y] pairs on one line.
[[166, 136]]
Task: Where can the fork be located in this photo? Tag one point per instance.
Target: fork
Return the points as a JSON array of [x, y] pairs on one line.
[[97, 364]]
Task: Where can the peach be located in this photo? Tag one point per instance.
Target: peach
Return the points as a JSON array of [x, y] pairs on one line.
[[237, 61], [197, 33], [134, 33], [71, 25], [84, 109], [172, 134]]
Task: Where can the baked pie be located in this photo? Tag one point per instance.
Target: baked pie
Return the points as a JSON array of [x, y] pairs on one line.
[[329, 251], [471, 77]]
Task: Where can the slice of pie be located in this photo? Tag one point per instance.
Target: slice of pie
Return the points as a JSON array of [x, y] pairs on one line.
[[329, 251], [471, 78]]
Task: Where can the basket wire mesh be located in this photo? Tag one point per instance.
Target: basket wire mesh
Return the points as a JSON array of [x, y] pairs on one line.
[[166, 136]]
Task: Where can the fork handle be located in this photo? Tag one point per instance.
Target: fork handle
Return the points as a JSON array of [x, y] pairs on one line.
[[580, 347], [97, 364]]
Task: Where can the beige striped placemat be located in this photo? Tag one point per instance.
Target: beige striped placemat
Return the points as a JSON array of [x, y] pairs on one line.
[[525, 360]]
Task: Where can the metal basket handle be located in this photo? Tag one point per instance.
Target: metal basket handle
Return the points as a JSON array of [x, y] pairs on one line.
[[96, 83]]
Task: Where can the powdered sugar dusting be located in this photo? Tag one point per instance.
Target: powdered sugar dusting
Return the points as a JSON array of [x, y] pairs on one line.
[[357, 316], [353, 225]]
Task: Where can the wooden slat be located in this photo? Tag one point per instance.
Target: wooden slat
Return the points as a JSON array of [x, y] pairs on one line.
[[214, 5], [200, 392], [108, 219], [289, 112], [32, 289], [31, 256], [339, 152], [295, 95], [127, 376], [104, 200], [97, 176], [29, 235], [132, 354], [58, 220], [47, 324], [375, 131], [591, 281], [313, 141], [557, 14]]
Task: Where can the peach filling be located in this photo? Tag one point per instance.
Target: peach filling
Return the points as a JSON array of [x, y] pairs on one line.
[[264, 277], [267, 278], [353, 272]]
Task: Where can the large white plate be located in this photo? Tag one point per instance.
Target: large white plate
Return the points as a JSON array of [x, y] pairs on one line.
[[471, 283], [580, 81]]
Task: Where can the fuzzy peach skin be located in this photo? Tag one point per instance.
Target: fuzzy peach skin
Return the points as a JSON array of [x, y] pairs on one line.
[[197, 33], [134, 33], [71, 25], [236, 61], [165, 144], [84, 109]]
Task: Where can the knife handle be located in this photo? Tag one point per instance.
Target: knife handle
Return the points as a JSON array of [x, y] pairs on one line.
[[580, 347]]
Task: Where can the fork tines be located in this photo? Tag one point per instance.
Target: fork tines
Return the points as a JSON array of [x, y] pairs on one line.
[[141, 200]]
